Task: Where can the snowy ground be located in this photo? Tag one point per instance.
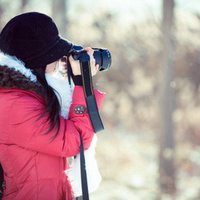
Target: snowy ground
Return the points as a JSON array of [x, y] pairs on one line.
[[129, 166]]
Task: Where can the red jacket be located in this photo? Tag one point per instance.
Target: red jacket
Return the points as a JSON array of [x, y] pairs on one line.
[[33, 164]]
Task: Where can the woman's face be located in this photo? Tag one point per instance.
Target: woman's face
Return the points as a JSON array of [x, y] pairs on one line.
[[59, 66], [50, 67]]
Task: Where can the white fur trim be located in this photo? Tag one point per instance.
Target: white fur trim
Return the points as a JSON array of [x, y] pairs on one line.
[[13, 63]]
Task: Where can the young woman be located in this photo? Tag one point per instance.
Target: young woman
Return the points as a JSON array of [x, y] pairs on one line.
[[40, 118]]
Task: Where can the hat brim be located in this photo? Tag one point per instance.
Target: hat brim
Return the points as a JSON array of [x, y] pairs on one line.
[[60, 49]]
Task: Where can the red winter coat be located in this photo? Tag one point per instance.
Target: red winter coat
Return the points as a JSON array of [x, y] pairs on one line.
[[33, 164]]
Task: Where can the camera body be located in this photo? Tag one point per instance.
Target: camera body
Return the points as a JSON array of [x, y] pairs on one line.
[[101, 56]]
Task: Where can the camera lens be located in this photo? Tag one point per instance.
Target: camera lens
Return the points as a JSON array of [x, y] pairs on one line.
[[101, 56]]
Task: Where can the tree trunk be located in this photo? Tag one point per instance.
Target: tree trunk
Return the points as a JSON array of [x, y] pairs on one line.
[[1, 15], [167, 144], [59, 10], [23, 5]]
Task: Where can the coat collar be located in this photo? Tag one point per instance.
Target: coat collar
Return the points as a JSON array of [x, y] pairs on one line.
[[13, 63]]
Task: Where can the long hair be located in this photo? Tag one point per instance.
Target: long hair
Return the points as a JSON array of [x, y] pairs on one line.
[[52, 105]]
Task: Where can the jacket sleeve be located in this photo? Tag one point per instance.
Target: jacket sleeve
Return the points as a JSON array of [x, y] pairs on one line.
[[27, 131]]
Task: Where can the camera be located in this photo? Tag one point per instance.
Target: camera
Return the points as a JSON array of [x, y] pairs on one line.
[[101, 56]]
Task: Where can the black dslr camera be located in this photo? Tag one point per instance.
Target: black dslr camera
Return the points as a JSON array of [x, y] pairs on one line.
[[103, 59], [101, 56]]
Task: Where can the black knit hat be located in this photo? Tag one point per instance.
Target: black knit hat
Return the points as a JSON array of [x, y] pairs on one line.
[[34, 39]]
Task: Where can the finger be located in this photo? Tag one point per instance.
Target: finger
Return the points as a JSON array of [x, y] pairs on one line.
[[94, 72], [97, 67], [71, 58], [89, 50]]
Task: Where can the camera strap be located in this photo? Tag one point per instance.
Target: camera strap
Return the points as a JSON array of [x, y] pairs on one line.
[[89, 94], [93, 114], [84, 183]]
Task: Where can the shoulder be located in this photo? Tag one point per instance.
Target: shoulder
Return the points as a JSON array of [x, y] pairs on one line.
[[19, 96], [17, 106]]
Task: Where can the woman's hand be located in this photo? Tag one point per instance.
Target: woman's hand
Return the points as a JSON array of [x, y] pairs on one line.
[[75, 65]]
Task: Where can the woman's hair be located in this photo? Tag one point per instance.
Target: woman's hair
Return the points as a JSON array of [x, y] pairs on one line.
[[10, 78], [52, 105]]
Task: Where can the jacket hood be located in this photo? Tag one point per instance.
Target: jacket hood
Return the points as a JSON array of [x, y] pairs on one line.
[[14, 74], [15, 64]]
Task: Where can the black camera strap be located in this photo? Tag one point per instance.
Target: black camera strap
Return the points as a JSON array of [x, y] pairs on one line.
[[93, 113], [84, 183], [89, 96]]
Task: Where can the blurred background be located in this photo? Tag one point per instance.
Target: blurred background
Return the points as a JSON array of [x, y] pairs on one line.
[[150, 149]]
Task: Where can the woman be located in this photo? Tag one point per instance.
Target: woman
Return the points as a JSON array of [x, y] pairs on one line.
[[40, 118]]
